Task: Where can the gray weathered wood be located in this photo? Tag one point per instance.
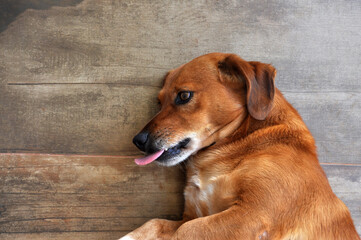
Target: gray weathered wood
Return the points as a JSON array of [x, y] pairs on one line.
[[334, 120], [72, 78], [314, 44], [96, 119]]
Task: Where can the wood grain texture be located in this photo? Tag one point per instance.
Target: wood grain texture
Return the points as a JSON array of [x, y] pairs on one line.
[[52, 196], [100, 119], [83, 79], [334, 120], [63, 235], [96, 119], [85, 197]]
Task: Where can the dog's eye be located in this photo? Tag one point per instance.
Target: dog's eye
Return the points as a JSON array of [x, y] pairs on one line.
[[183, 97]]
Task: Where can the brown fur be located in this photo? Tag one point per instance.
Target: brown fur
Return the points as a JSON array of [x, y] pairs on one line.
[[261, 179]]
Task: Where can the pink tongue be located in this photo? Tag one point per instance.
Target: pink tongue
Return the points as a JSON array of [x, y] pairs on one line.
[[148, 159]]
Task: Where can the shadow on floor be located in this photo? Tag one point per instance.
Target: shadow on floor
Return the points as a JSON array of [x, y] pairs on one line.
[[10, 9]]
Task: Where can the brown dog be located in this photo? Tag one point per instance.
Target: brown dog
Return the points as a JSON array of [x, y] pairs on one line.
[[252, 168]]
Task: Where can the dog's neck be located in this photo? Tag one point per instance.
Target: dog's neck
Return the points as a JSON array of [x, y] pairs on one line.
[[224, 132]]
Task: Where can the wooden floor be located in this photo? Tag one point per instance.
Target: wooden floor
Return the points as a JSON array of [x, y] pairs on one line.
[[81, 77], [83, 197]]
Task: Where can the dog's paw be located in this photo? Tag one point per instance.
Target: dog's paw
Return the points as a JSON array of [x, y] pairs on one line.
[[155, 229], [127, 237]]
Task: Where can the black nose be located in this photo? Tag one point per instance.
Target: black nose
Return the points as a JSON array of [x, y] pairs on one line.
[[140, 140]]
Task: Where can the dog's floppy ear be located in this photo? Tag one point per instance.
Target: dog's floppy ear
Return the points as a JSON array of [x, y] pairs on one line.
[[259, 79]]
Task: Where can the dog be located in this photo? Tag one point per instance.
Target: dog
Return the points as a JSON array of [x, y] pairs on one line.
[[252, 167]]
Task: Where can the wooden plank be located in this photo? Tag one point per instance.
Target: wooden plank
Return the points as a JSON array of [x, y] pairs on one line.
[[67, 174], [49, 194], [334, 120], [100, 119], [97, 119], [314, 45], [64, 235]]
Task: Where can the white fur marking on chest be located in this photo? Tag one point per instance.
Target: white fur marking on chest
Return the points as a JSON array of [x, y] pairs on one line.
[[202, 194], [206, 192], [211, 179], [194, 198], [195, 180]]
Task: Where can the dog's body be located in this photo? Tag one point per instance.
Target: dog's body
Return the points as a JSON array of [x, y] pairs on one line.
[[252, 171]]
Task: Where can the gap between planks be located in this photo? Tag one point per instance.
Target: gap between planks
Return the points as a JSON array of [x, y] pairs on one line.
[[79, 83], [132, 156], [153, 86]]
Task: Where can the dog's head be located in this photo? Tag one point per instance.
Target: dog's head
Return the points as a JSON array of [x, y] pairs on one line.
[[202, 102]]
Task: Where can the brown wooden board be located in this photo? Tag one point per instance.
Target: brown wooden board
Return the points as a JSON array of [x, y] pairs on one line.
[[99, 197], [53, 196]]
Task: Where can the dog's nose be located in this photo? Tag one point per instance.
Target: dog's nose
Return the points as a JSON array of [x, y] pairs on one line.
[[140, 140]]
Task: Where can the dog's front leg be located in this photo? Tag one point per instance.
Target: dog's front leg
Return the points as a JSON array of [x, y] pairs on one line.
[[155, 229], [233, 223]]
